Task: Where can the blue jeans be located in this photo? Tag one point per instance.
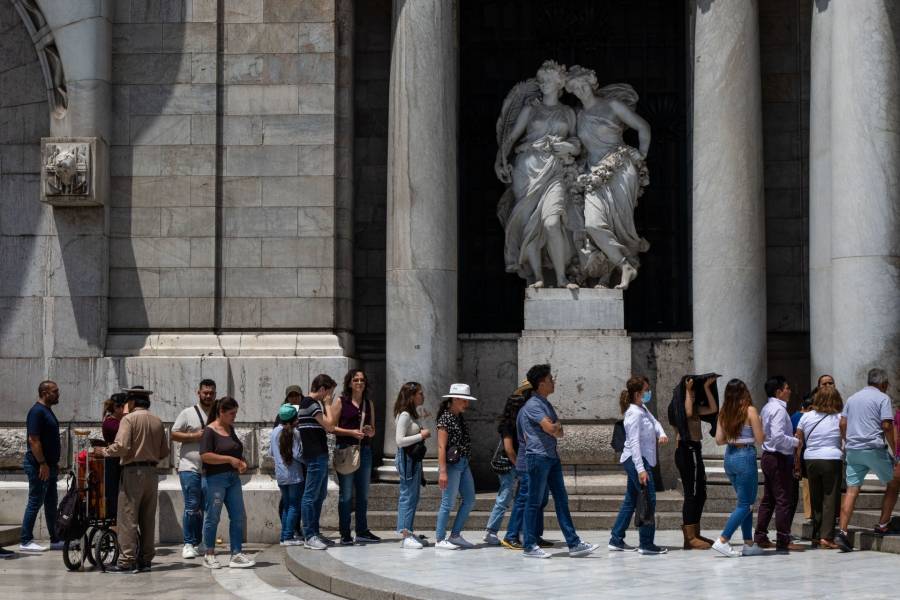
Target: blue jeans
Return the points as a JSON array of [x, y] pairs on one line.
[[505, 496], [626, 511], [355, 484], [224, 488], [459, 480], [410, 472], [291, 496], [514, 527], [740, 467], [40, 493], [545, 473], [314, 492], [193, 487]]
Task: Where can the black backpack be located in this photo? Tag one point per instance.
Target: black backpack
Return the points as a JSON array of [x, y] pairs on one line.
[[618, 437], [70, 518]]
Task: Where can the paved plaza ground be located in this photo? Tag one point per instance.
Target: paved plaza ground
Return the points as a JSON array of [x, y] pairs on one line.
[[384, 571]]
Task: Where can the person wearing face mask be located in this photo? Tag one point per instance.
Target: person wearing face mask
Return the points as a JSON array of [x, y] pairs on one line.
[[642, 431]]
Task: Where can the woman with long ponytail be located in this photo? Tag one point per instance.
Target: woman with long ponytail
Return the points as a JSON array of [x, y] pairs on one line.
[[740, 427], [285, 448], [642, 431], [410, 437]]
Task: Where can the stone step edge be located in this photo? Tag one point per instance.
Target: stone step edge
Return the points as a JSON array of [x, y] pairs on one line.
[[10, 534]]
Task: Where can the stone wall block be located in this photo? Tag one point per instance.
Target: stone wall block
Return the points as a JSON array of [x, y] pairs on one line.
[[75, 325], [137, 222], [316, 68], [146, 313], [261, 282], [137, 37], [242, 131], [189, 37], [315, 221], [202, 312], [298, 252], [203, 67], [317, 99], [261, 100], [316, 283], [246, 38], [259, 384], [150, 192], [138, 161], [261, 160], [202, 130], [309, 11], [19, 213], [243, 11], [188, 160], [187, 283], [160, 130], [73, 266], [298, 191], [201, 11], [133, 283], [298, 129], [150, 252], [176, 99], [316, 160], [22, 334], [203, 190], [149, 68], [241, 191], [203, 252], [188, 221], [241, 312], [297, 312], [261, 222], [23, 263], [246, 252], [316, 37]]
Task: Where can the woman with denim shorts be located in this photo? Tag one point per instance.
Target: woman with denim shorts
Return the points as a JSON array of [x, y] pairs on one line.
[[740, 428]]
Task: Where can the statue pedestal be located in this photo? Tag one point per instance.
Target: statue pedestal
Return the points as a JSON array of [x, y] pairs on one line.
[[581, 334]]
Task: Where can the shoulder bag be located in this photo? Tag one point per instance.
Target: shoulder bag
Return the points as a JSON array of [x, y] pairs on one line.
[[346, 459], [500, 462]]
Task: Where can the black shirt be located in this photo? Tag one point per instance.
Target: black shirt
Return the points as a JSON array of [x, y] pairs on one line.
[[312, 435], [509, 430], [42, 423], [226, 445]]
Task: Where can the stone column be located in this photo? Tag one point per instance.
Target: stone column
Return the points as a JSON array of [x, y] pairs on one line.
[[865, 226], [820, 316], [729, 245], [421, 203]]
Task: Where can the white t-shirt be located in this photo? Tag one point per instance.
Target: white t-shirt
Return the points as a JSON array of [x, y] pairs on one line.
[[189, 455], [824, 443]]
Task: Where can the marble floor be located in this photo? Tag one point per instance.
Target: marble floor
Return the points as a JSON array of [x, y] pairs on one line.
[[492, 572], [44, 576]]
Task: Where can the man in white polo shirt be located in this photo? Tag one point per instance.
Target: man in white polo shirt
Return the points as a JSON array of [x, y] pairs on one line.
[[188, 429], [867, 426]]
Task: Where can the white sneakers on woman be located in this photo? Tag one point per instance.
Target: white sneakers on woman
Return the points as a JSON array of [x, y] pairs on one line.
[[723, 548], [411, 543], [446, 545], [238, 561]]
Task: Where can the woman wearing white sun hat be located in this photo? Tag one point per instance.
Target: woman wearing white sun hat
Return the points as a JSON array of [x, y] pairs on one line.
[[455, 477]]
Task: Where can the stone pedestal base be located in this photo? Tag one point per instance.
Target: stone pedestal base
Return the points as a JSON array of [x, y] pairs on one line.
[[580, 333]]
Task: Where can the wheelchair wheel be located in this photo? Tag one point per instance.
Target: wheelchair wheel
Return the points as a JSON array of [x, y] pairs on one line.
[[90, 551], [73, 552], [106, 550]]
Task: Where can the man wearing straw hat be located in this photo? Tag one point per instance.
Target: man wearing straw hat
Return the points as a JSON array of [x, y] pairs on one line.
[[140, 443]]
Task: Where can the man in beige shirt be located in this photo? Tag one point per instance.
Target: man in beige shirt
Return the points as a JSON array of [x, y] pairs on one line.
[[140, 443]]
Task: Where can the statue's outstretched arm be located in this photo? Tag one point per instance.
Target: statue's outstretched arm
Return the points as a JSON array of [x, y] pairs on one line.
[[636, 122]]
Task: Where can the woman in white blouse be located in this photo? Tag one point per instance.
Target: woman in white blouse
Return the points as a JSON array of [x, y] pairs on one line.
[[642, 431], [819, 432], [410, 438]]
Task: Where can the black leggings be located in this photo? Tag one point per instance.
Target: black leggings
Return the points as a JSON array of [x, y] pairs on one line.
[[689, 460]]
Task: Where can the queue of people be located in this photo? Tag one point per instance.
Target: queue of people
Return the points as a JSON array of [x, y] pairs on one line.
[[830, 434]]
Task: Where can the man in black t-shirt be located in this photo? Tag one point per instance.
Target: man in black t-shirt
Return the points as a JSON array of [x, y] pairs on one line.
[[41, 466], [313, 421]]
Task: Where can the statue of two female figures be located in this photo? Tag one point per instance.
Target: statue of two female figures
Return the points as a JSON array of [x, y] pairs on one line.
[[582, 212]]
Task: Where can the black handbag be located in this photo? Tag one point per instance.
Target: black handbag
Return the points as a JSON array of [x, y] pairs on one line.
[[643, 512], [618, 436], [500, 463]]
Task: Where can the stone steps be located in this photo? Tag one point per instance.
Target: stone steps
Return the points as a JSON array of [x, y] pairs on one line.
[[9, 535]]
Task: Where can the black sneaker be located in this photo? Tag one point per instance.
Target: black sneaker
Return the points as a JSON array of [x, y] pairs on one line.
[[143, 567], [843, 542], [367, 537], [883, 530], [346, 539], [120, 570], [542, 543], [4, 553], [325, 540]]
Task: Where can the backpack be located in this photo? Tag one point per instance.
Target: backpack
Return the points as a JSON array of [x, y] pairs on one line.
[[618, 437], [70, 518]]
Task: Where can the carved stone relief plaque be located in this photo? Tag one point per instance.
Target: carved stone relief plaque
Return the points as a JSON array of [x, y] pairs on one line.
[[69, 172]]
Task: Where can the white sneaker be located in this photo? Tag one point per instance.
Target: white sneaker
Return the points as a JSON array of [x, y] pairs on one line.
[[292, 542], [753, 550], [723, 548], [410, 543], [535, 552], [210, 562], [57, 545], [446, 545], [460, 541], [582, 549], [241, 561], [31, 547], [491, 538], [189, 551], [314, 543]]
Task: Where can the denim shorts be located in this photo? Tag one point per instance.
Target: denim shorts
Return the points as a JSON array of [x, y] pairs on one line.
[[860, 462]]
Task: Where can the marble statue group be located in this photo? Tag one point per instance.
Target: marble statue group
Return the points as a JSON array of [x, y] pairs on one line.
[[572, 181]]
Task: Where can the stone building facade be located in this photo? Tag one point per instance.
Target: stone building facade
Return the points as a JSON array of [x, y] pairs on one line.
[[282, 188]]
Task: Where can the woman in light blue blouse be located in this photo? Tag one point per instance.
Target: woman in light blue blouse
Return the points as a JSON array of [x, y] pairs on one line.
[[285, 449], [642, 431]]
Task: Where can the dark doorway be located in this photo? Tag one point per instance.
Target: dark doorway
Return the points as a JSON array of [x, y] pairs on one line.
[[641, 42]]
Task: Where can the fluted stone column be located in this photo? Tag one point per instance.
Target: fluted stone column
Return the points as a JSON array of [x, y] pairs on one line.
[[421, 203], [865, 135], [820, 315], [729, 240]]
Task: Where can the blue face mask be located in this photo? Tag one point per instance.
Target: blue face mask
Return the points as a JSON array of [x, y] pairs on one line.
[[648, 395]]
